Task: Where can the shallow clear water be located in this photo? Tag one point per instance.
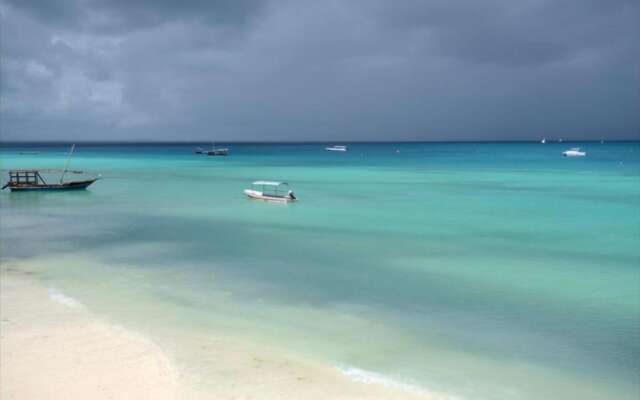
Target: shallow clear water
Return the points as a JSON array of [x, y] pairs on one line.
[[491, 271]]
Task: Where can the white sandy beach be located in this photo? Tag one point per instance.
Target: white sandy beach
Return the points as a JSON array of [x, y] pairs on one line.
[[53, 347]]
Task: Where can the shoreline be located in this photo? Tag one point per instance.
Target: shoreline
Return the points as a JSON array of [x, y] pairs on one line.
[[53, 347]]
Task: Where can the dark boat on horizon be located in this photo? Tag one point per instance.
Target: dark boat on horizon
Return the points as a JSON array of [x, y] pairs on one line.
[[218, 152], [215, 151]]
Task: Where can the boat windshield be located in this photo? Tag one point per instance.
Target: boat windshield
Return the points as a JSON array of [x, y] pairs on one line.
[[272, 188]]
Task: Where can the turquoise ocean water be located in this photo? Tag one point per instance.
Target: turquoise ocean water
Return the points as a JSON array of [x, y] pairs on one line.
[[483, 271]]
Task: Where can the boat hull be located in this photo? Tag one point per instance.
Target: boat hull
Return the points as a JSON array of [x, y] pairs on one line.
[[218, 152], [256, 195], [574, 154], [78, 185]]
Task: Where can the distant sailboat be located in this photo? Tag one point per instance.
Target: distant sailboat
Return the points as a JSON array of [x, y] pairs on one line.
[[543, 141], [220, 151]]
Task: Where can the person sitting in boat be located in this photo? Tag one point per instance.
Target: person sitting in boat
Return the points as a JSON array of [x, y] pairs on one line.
[[291, 195]]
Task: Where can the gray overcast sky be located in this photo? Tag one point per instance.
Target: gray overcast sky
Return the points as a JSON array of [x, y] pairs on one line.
[[319, 70]]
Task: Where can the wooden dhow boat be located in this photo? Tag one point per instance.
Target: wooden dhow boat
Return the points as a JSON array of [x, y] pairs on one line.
[[31, 179]]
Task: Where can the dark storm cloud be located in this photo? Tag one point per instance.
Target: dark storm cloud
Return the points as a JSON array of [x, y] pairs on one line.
[[111, 15], [308, 70], [516, 33]]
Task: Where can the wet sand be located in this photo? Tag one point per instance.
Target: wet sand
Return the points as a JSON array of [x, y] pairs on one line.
[[53, 347]]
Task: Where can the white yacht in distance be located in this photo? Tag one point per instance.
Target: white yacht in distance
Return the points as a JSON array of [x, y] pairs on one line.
[[543, 141], [336, 148], [574, 152]]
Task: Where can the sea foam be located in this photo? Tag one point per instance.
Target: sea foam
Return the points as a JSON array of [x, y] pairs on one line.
[[59, 297], [369, 377]]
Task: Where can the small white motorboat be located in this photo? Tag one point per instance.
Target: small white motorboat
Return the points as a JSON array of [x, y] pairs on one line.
[[336, 148], [574, 152], [278, 192]]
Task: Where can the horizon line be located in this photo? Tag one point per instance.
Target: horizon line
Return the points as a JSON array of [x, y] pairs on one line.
[[191, 142]]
